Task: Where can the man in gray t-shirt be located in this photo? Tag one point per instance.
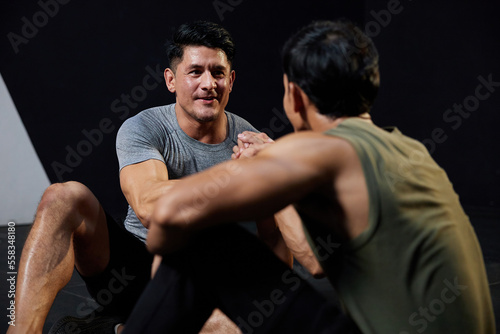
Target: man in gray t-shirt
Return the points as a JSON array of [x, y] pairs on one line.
[[159, 145], [155, 134]]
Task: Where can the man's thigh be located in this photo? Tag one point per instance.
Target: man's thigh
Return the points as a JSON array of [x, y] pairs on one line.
[[118, 287]]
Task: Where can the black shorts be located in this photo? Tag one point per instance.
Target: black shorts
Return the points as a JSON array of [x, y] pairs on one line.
[[119, 286], [227, 267]]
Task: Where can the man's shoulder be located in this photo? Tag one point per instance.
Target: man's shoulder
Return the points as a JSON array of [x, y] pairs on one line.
[[158, 111], [314, 146], [240, 123], [154, 114], [310, 137], [148, 121]]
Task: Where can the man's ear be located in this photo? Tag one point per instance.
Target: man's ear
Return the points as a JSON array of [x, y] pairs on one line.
[[169, 76], [299, 98], [232, 77]]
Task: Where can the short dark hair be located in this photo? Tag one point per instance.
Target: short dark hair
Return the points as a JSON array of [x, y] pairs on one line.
[[199, 33], [336, 65]]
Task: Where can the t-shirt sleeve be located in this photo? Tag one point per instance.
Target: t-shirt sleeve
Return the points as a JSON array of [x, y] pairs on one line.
[[137, 141]]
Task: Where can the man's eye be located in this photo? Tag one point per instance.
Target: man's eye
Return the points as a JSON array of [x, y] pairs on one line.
[[195, 72], [218, 74]]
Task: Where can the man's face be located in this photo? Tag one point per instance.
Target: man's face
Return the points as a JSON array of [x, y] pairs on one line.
[[202, 82]]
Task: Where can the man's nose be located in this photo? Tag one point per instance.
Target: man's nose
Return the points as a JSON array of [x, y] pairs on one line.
[[208, 81]]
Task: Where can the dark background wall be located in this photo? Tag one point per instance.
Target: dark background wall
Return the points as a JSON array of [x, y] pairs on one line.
[[434, 56], [77, 69]]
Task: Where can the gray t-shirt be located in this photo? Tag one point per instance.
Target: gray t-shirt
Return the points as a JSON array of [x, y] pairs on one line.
[[155, 134]]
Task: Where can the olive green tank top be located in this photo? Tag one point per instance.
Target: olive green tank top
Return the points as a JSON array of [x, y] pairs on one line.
[[418, 268]]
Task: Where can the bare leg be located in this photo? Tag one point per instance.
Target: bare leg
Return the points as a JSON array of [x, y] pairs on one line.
[[69, 229], [219, 323], [156, 263]]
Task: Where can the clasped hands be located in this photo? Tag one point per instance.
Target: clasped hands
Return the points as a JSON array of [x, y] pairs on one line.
[[250, 143]]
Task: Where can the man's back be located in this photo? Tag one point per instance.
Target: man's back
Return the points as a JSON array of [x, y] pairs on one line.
[[417, 266]]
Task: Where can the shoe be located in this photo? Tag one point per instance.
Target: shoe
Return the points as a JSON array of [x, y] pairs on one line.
[[98, 325]]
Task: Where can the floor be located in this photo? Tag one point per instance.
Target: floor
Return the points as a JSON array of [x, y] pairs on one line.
[[74, 299]]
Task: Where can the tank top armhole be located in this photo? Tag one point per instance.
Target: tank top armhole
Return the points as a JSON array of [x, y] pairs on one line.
[[373, 193]]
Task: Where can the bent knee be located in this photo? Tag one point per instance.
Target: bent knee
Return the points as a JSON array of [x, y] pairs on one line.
[[70, 192], [69, 198]]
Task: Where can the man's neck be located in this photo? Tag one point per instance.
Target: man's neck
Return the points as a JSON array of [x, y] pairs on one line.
[[322, 123], [213, 132]]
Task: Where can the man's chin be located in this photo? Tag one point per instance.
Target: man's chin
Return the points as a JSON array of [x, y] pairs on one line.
[[206, 116], [206, 119]]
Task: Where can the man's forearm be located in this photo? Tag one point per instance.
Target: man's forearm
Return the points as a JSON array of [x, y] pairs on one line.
[[165, 239], [270, 234], [290, 225]]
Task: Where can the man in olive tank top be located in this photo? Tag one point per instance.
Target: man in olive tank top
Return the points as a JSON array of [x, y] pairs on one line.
[[406, 259]]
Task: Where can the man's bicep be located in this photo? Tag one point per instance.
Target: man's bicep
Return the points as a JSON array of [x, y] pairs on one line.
[[135, 175]]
